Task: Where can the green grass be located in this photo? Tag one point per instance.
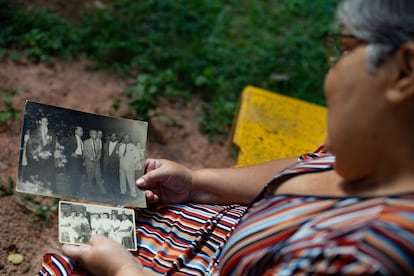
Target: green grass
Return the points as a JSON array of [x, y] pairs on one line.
[[183, 48], [7, 111], [42, 207], [39, 206]]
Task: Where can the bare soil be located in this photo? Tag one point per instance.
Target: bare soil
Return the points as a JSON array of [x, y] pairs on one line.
[[72, 84]]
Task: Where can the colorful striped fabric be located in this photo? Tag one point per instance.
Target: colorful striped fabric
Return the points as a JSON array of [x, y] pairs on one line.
[[279, 235], [184, 239], [54, 264]]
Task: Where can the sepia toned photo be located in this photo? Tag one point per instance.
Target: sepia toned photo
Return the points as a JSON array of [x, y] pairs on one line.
[[77, 155], [78, 222]]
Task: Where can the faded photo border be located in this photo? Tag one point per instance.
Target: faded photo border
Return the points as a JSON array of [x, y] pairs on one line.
[[79, 221], [72, 154]]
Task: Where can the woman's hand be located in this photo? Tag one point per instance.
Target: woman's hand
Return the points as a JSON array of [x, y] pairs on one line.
[[104, 257], [165, 181]]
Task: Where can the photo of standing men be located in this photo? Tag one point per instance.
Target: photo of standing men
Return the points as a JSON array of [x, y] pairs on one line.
[[101, 159]]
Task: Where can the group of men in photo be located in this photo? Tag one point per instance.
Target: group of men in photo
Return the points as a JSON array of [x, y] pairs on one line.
[[106, 166], [79, 226]]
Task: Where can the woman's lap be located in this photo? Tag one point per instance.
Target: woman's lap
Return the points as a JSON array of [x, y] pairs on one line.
[[185, 239]]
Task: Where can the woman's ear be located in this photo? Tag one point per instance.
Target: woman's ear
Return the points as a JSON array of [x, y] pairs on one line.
[[403, 88]]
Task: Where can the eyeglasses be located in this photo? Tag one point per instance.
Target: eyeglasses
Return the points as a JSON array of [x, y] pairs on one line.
[[339, 45]]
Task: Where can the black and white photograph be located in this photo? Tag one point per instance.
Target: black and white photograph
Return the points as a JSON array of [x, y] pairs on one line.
[[78, 222], [76, 155]]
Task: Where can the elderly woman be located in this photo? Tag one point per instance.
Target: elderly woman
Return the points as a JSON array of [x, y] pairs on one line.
[[348, 208]]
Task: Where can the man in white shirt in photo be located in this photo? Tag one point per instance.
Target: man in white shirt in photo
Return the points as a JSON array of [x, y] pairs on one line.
[[128, 160]]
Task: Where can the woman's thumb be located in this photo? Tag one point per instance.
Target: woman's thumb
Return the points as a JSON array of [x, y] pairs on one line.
[[76, 252]]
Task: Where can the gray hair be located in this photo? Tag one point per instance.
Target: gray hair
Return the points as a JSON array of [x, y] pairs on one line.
[[385, 24]]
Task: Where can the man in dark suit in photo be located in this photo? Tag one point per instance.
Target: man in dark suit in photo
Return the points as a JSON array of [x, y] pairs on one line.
[[111, 164], [92, 154], [41, 149], [74, 152]]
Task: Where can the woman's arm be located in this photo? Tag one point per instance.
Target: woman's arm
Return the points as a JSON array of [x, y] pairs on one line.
[[169, 182], [234, 185]]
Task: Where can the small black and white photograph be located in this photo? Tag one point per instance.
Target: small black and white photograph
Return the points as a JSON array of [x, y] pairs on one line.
[[76, 155], [78, 222]]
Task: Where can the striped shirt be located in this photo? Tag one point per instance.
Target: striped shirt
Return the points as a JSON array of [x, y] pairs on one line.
[[294, 234], [290, 234]]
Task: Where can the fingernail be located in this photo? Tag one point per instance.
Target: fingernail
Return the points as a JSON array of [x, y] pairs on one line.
[[140, 181]]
